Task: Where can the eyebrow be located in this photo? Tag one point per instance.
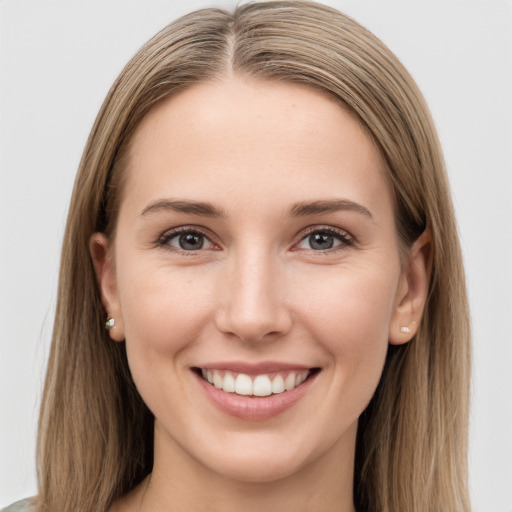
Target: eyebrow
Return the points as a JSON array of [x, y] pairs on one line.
[[301, 209], [184, 206], [327, 206]]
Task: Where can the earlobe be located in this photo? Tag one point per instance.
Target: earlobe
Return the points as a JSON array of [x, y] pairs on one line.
[[413, 292], [106, 279]]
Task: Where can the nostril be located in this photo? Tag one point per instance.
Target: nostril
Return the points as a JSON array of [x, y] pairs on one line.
[[255, 328], [250, 303]]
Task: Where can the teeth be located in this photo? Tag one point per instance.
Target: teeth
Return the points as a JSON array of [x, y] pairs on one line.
[[243, 384], [301, 377], [289, 382], [261, 385], [278, 384], [218, 381], [229, 383]]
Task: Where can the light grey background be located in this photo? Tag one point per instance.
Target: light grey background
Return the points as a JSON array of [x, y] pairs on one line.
[[57, 62]]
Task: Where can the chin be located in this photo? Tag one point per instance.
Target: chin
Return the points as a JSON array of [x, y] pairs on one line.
[[257, 469], [266, 457]]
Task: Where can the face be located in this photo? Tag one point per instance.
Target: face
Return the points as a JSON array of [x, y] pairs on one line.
[[255, 275]]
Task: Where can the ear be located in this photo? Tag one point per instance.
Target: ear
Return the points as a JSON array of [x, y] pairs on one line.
[[105, 275], [412, 291]]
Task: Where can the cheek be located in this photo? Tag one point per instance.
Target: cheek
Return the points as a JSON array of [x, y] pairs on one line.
[[163, 311], [352, 304], [350, 319], [161, 308]]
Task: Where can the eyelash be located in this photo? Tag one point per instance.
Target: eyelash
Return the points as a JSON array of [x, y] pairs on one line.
[[341, 235], [163, 240]]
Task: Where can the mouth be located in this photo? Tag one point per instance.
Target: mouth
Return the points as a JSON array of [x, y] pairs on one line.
[[255, 392], [256, 385]]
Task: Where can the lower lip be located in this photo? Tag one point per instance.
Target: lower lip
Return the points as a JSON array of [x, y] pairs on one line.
[[255, 407]]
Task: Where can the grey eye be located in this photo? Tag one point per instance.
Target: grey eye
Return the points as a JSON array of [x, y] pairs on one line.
[[324, 240], [321, 241], [189, 241]]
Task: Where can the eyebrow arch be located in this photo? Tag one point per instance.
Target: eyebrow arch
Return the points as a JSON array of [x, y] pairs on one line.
[[184, 206], [326, 206]]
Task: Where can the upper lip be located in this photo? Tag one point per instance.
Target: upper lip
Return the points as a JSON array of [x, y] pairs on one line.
[[254, 368]]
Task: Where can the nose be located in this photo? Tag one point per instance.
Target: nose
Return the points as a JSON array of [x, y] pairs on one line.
[[252, 299]]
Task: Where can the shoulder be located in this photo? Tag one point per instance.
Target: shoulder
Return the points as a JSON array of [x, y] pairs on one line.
[[19, 506]]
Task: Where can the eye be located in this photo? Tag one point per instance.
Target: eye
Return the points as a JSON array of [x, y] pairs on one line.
[[325, 240], [188, 240]]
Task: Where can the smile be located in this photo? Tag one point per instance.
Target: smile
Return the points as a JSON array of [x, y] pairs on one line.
[[255, 392], [258, 385]]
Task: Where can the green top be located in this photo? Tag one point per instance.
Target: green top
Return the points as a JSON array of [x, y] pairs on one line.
[[19, 506]]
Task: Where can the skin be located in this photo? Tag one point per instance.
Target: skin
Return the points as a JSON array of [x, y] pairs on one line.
[[257, 291]]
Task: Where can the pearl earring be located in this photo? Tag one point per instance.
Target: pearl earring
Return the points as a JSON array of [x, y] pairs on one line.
[[406, 329], [109, 324]]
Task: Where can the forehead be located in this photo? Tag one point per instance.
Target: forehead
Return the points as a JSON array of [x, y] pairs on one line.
[[240, 139]]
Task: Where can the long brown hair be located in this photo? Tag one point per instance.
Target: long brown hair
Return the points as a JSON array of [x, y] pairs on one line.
[[95, 433]]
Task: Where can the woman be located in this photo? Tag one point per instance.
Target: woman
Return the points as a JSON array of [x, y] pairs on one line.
[[262, 301]]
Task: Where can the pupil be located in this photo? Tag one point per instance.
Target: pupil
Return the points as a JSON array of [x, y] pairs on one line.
[[321, 241], [191, 242]]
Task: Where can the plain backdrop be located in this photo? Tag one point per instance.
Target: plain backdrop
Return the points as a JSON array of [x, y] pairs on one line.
[[57, 62]]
